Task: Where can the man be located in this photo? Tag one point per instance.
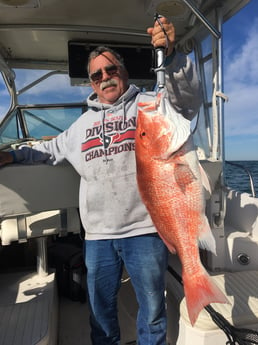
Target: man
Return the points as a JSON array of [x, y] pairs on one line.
[[119, 231]]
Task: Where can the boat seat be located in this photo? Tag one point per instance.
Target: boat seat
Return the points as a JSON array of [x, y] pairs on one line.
[[30, 189], [241, 289], [21, 228]]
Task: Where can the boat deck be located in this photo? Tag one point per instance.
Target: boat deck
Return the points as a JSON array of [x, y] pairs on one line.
[[74, 319], [28, 309], [73, 323], [31, 312]]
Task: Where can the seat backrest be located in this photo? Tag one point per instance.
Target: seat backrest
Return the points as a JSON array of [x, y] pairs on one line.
[[57, 222], [32, 189]]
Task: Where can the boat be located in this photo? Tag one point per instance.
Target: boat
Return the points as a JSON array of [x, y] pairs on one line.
[[42, 294]]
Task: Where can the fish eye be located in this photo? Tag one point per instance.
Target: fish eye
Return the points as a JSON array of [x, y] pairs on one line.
[[143, 134]]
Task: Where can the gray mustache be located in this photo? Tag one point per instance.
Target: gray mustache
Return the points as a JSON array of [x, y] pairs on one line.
[[107, 83]]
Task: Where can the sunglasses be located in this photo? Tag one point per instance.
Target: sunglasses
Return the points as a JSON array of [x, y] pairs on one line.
[[98, 75]]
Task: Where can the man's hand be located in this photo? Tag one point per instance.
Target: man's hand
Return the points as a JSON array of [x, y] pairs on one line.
[[158, 36], [5, 158]]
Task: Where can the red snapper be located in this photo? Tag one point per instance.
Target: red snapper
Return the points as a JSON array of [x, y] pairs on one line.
[[170, 183]]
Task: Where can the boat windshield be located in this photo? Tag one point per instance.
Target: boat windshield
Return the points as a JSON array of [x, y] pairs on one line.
[[38, 122], [46, 105]]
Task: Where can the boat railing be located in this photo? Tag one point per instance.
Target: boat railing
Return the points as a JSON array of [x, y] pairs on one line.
[[249, 175]]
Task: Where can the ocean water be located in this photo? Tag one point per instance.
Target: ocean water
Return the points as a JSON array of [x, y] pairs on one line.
[[237, 177]]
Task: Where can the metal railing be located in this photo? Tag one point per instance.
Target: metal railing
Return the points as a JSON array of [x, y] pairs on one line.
[[248, 173]]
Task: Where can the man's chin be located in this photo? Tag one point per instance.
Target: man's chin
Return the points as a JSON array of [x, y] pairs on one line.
[[109, 97]]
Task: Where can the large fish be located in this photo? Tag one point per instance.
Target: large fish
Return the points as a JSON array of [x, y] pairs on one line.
[[170, 183]]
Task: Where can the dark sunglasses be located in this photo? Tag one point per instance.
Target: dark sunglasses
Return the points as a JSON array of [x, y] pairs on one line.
[[98, 75]]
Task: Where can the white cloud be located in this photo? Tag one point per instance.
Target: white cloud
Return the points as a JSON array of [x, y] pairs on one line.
[[5, 100], [241, 115], [241, 85], [243, 65], [3, 111], [57, 88], [58, 83]]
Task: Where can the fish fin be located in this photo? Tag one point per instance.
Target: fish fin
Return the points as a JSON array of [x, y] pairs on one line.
[[206, 238], [183, 175], [201, 291]]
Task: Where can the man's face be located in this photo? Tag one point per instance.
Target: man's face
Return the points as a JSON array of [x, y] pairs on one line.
[[108, 78]]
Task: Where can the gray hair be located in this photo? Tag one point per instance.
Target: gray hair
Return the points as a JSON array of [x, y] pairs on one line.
[[99, 51]]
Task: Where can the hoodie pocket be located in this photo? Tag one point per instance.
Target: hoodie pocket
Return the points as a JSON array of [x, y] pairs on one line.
[[114, 204]]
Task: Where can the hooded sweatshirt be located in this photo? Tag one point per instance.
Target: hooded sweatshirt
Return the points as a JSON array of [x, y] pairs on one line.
[[100, 146]]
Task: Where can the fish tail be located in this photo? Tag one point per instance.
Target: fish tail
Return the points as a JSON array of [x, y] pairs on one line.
[[200, 291]]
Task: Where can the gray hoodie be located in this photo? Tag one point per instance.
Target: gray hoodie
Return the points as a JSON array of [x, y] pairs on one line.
[[100, 146]]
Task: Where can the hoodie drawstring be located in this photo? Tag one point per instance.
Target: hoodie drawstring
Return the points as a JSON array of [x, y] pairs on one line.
[[103, 115], [124, 112]]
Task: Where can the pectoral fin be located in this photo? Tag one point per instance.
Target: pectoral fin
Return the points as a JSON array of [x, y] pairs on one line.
[[183, 175]]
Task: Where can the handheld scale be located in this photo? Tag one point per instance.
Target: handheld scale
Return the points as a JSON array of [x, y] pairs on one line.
[[160, 59]]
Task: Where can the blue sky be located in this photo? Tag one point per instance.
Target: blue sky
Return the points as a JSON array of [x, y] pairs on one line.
[[240, 85]]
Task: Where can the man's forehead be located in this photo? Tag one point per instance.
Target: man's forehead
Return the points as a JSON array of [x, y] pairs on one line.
[[105, 58]]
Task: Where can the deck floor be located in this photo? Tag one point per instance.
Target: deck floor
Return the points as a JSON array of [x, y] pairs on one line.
[[74, 319], [28, 309]]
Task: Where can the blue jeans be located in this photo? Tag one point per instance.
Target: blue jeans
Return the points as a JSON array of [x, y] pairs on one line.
[[145, 259]]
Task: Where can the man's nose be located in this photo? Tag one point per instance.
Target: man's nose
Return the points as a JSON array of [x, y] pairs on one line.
[[105, 75]]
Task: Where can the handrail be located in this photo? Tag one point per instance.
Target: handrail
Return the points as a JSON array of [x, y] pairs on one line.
[[35, 82], [249, 174], [202, 18]]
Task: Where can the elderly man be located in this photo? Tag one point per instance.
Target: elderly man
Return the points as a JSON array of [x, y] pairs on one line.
[[118, 228]]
